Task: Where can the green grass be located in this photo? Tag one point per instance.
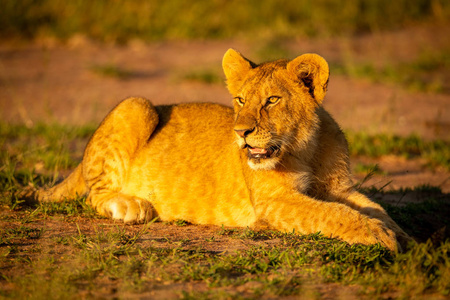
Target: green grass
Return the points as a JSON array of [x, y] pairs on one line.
[[426, 73], [437, 152], [45, 143], [178, 222], [122, 20], [273, 48], [367, 169], [110, 255], [36, 155], [8, 235], [208, 76], [70, 208], [111, 71]]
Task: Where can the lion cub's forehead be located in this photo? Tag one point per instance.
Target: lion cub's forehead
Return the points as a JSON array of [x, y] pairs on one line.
[[270, 68], [266, 79]]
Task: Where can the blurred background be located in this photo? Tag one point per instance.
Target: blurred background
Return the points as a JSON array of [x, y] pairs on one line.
[[120, 21], [70, 62], [397, 43]]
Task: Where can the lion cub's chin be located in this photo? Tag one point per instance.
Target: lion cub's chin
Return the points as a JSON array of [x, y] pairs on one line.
[[263, 163]]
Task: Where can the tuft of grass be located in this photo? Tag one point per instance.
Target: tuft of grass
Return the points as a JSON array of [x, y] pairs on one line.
[[227, 231], [181, 223], [208, 76], [111, 71], [9, 235], [368, 169], [177, 222], [70, 208]]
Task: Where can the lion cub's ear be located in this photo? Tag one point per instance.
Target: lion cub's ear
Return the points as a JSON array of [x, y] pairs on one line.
[[313, 71], [235, 67]]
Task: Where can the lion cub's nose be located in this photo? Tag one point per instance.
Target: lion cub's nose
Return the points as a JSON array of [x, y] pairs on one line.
[[244, 132]]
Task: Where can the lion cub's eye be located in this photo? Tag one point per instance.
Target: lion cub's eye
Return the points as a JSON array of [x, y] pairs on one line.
[[240, 101], [273, 99]]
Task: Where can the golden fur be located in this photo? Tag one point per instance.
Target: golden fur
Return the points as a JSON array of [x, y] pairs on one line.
[[278, 159]]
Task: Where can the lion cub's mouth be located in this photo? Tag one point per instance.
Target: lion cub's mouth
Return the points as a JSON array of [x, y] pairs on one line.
[[261, 152]]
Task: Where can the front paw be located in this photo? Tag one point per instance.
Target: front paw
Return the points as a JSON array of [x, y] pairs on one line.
[[130, 210], [372, 231], [378, 232]]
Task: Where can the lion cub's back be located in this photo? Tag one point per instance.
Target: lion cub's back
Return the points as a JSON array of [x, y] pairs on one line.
[[190, 169]]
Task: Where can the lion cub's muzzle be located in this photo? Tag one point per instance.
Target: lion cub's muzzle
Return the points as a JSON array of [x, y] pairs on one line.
[[259, 153], [256, 152]]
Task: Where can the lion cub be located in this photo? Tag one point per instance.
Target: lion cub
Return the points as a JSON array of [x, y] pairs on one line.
[[278, 158]]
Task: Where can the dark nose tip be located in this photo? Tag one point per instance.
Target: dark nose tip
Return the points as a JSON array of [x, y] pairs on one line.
[[244, 132]]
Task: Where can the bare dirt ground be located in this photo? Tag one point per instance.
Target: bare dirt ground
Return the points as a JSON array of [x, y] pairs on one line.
[[53, 83], [158, 235]]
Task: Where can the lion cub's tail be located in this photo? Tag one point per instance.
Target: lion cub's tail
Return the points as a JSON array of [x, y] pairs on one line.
[[72, 187]]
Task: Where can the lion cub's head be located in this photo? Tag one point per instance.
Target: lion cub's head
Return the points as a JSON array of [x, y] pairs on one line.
[[275, 104]]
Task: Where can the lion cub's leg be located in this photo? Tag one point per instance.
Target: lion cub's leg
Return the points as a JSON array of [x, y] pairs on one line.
[[307, 215], [107, 158]]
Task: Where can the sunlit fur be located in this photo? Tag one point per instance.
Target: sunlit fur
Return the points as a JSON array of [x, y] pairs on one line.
[[191, 162]]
